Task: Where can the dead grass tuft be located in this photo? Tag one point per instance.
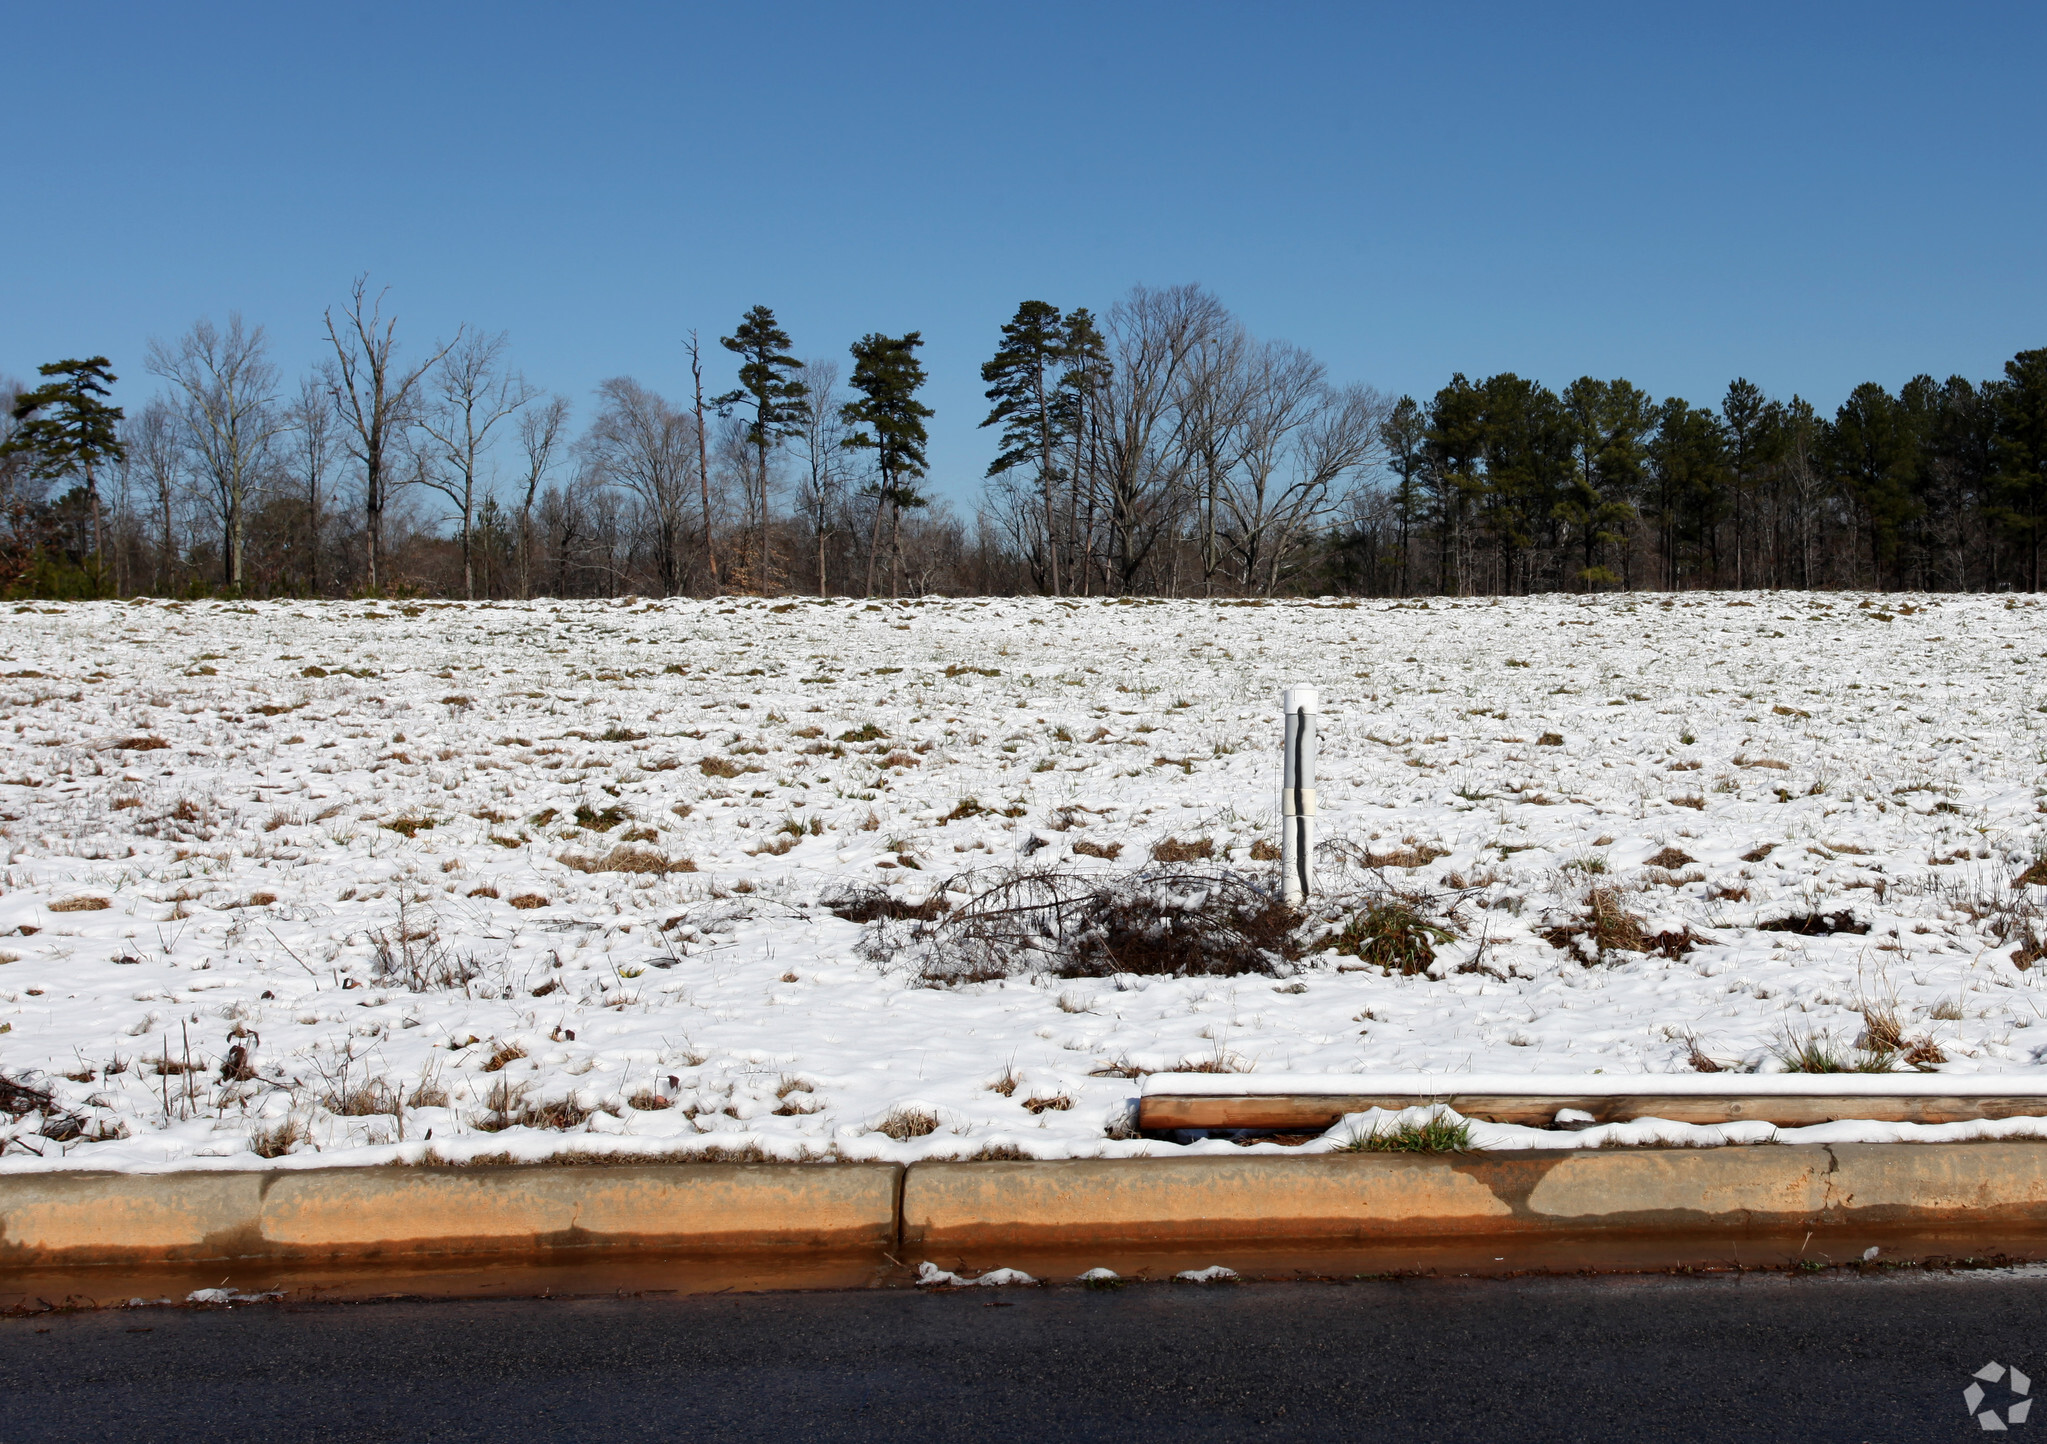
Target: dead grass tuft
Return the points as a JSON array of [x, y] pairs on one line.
[[1393, 936], [1412, 853], [526, 901], [501, 1054], [1172, 850], [904, 1123], [1608, 926], [626, 858], [81, 905], [366, 1099], [279, 1138]]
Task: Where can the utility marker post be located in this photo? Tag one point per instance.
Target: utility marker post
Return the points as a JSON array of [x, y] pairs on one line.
[[1297, 796]]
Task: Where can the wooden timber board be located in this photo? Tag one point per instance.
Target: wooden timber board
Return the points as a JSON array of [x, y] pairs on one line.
[[1288, 1112]]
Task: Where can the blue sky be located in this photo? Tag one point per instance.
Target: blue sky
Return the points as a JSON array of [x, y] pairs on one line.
[[1811, 196]]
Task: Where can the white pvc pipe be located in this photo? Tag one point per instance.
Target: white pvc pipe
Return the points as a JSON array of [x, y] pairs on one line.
[[1297, 795]]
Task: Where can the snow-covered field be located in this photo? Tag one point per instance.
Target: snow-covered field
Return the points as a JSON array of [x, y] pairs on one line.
[[349, 839]]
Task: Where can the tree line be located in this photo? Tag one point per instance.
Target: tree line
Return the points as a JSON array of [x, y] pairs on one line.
[[1157, 448]]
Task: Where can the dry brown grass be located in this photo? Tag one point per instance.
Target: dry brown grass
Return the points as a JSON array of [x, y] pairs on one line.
[[904, 1123], [1172, 849], [626, 858], [1612, 928], [81, 905], [279, 1138], [526, 901], [722, 767], [501, 1054], [1411, 853]]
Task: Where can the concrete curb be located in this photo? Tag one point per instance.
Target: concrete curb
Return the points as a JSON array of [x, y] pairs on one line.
[[539, 1211], [335, 1214], [1383, 1198]]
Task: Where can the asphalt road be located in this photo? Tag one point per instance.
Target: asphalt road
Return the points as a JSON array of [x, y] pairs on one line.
[[1633, 1358]]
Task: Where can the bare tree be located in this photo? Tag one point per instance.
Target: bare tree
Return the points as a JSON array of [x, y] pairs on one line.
[[696, 376], [1304, 443], [1216, 391], [311, 424], [227, 385], [377, 401], [540, 434], [1296, 441], [1152, 335], [473, 393], [822, 435], [641, 443], [156, 451]]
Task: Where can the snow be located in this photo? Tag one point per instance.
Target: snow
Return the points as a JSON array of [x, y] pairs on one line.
[[1667, 1133], [931, 1276], [1875, 756]]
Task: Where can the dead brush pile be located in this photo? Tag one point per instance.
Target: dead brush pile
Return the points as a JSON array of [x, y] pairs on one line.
[[1162, 921]]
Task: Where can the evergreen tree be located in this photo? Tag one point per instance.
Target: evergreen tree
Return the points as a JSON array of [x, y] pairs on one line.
[[1604, 421], [764, 380], [887, 374], [1527, 447], [1404, 434], [1741, 418], [1085, 352], [63, 429], [2019, 451], [1456, 444], [1025, 391], [1875, 451], [1688, 465]]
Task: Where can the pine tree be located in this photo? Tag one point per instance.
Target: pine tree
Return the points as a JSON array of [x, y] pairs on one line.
[[1404, 434], [65, 430], [776, 414], [2019, 451], [1875, 452], [1607, 420], [1085, 352], [887, 374], [1025, 391], [1742, 413]]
